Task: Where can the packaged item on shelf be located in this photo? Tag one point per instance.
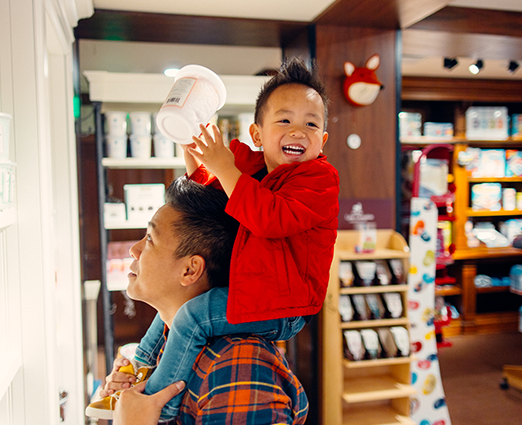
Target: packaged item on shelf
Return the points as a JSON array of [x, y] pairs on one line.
[[114, 212], [470, 158], [486, 123], [486, 232], [402, 339], [141, 146], [410, 124], [513, 163], [371, 343], [116, 146], [5, 124], [433, 177], [438, 130], [361, 308], [493, 162], [486, 196], [509, 198], [142, 200], [515, 276], [516, 126], [163, 147], [445, 230], [519, 200], [397, 271], [346, 274], [365, 273], [345, 308], [511, 228], [367, 237], [354, 349], [375, 305], [393, 303], [116, 123], [387, 343], [140, 123], [383, 272], [482, 281]]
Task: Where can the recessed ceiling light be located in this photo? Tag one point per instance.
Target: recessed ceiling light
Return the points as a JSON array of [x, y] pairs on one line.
[[171, 72]]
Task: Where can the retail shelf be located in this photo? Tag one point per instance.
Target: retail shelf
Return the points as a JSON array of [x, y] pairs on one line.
[[7, 217], [494, 179], [11, 362], [373, 289], [357, 324], [444, 292], [126, 224], [349, 364], [371, 388], [472, 213], [144, 163], [483, 252], [492, 289], [376, 255], [371, 415]]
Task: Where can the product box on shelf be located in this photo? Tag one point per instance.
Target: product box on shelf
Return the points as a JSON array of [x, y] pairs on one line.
[[513, 163], [516, 126], [142, 200], [487, 123], [486, 196], [438, 130], [410, 124], [493, 162]]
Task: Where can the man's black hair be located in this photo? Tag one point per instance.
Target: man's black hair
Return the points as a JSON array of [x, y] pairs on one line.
[[293, 71], [204, 228]]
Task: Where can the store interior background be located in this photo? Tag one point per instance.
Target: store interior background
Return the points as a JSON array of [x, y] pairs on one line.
[[232, 38], [136, 50]]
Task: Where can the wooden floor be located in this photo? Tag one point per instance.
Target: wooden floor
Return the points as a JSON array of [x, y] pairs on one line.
[[471, 375]]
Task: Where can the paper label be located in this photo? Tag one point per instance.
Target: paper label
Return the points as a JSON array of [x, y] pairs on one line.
[[180, 91]]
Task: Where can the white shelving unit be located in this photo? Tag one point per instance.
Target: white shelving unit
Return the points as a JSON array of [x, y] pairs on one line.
[[11, 362], [7, 217], [141, 163]]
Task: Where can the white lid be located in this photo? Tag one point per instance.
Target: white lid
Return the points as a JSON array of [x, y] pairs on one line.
[[176, 127], [201, 71]]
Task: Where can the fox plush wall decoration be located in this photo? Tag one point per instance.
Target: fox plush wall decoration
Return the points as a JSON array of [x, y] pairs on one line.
[[361, 85]]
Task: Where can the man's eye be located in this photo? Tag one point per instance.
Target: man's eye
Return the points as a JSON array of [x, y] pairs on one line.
[[148, 237]]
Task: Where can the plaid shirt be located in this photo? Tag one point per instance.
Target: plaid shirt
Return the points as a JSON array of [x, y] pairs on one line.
[[242, 380]]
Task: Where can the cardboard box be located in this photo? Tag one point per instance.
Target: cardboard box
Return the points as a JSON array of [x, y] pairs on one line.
[[487, 123], [143, 200]]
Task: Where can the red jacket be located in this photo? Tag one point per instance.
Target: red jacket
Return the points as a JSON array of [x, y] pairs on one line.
[[284, 247]]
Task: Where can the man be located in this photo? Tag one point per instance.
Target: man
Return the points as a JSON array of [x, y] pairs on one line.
[[186, 252]]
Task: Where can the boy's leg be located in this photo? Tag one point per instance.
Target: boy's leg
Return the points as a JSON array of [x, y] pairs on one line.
[[150, 345], [199, 319]]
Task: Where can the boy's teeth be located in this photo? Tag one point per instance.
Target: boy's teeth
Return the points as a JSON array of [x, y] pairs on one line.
[[296, 150]]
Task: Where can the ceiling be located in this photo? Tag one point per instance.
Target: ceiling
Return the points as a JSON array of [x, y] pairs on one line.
[[248, 58]]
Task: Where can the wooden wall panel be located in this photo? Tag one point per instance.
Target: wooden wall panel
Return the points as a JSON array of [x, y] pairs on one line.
[[367, 173]]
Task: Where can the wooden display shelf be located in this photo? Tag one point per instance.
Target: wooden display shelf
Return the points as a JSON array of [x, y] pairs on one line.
[[500, 213], [492, 289], [443, 292], [379, 323], [494, 179], [373, 289], [371, 388], [483, 252], [350, 364], [370, 414], [378, 254]]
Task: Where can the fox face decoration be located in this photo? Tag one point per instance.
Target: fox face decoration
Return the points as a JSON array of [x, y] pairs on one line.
[[361, 85]]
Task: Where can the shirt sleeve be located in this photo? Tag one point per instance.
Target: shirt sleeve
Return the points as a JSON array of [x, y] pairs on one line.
[[244, 380]]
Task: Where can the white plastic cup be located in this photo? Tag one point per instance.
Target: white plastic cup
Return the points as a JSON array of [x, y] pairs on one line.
[[116, 146], [5, 123], [163, 147], [140, 123], [195, 97], [116, 123], [140, 146]]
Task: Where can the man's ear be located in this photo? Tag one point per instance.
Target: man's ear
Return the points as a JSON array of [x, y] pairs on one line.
[[194, 269], [255, 135]]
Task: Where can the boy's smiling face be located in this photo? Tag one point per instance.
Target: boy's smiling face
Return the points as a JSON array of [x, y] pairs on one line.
[[292, 127]]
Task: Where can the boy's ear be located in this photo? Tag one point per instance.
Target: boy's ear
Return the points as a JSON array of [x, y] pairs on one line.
[[255, 135], [194, 269], [325, 139]]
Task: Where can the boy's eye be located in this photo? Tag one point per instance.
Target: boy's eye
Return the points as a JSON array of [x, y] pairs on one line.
[[312, 124], [284, 121]]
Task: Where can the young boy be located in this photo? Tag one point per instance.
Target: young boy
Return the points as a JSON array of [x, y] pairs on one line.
[[285, 198]]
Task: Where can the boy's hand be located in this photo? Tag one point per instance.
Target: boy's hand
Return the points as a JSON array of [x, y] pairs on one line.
[[117, 380], [217, 158], [133, 407]]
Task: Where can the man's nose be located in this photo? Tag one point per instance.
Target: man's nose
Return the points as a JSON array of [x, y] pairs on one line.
[[135, 250]]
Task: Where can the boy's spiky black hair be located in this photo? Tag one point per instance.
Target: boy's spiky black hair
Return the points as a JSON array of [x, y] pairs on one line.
[[292, 71]]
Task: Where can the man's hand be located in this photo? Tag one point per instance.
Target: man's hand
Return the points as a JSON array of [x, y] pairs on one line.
[[135, 408], [117, 380], [217, 158]]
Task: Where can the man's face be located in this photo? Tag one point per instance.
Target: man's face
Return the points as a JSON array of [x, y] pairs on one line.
[[292, 127], [155, 272]]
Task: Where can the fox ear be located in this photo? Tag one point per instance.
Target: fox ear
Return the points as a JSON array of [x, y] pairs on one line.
[[373, 62], [349, 68]]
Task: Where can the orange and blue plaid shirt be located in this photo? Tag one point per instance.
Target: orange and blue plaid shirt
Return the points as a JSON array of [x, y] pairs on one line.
[[242, 380]]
